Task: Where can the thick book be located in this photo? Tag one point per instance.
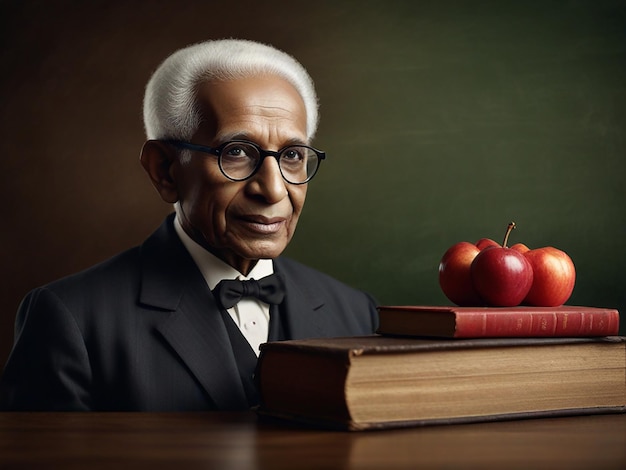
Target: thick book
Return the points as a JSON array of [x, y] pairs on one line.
[[488, 322], [377, 382]]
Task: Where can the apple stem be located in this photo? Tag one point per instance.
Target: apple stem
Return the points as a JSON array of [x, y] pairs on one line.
[[509, 229]]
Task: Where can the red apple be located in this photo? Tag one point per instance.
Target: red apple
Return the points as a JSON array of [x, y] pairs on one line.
[[554, 277], [485, 242], [454, 274], [520, 247], [502, 276]]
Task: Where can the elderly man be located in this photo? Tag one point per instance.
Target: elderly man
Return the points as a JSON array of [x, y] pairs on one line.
[[229, 126]]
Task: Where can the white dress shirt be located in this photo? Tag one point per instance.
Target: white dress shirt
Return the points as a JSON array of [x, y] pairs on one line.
[[251, 315]]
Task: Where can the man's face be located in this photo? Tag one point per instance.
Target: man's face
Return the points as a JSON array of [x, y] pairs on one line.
[[241, 222]]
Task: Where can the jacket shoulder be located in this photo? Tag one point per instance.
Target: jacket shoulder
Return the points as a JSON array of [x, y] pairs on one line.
[[108, 274]]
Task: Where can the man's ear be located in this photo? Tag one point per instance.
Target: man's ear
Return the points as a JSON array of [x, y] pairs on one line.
[[157, 159]]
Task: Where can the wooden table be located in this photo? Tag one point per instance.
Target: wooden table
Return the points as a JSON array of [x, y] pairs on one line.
[[240, 441]]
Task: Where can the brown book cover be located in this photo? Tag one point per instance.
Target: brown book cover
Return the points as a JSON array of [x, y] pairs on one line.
[[376, 382], [489, 322]]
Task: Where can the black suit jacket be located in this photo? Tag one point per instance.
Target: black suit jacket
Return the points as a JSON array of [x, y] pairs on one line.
[[142, 331]]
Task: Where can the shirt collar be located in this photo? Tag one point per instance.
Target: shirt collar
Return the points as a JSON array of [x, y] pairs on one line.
[[214, 269]]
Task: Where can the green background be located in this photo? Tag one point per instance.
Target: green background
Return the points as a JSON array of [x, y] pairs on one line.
[[446, 120], [443, 121]]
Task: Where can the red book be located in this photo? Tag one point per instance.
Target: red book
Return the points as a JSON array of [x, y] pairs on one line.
[[486, 322]]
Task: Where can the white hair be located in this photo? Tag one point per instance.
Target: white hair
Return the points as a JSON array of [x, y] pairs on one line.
[[170, 109]]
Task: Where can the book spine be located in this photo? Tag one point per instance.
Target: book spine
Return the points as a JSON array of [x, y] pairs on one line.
[[537, 324], [300, 381]]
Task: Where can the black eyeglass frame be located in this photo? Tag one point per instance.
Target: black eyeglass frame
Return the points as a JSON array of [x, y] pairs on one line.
[[217, 151]]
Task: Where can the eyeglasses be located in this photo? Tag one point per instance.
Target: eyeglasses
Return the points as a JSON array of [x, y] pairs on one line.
[[239, 159]]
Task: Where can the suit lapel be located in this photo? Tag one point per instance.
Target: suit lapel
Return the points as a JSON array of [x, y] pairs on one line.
[[200, 338], [195, 330]]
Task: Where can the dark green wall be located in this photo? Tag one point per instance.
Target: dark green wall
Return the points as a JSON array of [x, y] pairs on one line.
[[443, 120]]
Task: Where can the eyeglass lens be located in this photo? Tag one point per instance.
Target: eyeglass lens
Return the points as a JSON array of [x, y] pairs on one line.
[[239, 160]]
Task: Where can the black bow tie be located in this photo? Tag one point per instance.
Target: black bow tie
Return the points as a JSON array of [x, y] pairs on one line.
[[270, 289]]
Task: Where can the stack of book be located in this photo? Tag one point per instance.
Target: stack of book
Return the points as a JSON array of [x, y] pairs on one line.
[[435, 365]]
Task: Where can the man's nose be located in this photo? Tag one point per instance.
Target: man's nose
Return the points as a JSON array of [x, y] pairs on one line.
[[268, 181]]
